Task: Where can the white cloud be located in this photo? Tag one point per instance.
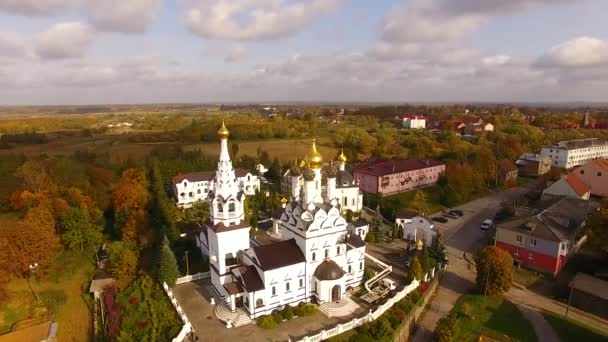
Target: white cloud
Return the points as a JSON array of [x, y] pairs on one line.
[[36, 7], [64, 40], [254, 19], [496, 60], [11, 45], [235, 54], [578, 52], [127, 16]]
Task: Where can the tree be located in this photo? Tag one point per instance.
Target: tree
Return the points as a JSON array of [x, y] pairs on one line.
[[123, 260], [426, 261], [597, 228], [35, 176], [494, 271], [437, 249], [234, 148], [168, 271], [130, 199], [79, 231], [396, 231], [415, 269]]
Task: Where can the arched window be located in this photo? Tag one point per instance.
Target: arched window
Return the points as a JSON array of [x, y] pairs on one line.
[[314, 256], [274, 291], [338, 250], [286, 286], [219, 207], [248, 177], [231, 207], [361, 265], [301, 282], [345, 201], [327, 253], [182, 194], [259, 303], [350, 269], [198, 191], [191, 194]]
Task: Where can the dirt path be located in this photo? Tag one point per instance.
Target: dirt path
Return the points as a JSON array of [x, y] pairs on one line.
[[542, 328]]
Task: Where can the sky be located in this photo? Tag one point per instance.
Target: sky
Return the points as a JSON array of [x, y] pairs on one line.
[[55, 52]]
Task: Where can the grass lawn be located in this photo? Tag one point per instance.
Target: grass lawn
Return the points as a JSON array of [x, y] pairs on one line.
[[492, 317], [569, 330], [60, 292], [526, 277]]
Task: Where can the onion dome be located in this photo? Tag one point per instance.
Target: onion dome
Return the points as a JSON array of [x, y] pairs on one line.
[[328, 270], [309, 174], [223, 133], [295, 169], [331, 171], [419, 245], [315, 158], [341, 157], [284, 200]]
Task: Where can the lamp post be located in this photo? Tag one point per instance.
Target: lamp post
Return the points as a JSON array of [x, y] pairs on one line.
[[32, 269]]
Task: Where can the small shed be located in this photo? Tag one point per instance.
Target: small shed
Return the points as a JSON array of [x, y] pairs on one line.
[[589, 294]]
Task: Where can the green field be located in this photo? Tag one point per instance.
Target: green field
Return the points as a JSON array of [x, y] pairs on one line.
[[569, 330], [493, 317]]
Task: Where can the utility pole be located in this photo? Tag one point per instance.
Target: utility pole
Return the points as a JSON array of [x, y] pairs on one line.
[[187, 265], [32, 269]]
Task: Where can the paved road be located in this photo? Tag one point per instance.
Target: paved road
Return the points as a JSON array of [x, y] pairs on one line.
[[462, 235]]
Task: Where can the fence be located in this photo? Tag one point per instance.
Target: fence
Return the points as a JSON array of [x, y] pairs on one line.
[[373, 315], [187, 327], [192, 277]]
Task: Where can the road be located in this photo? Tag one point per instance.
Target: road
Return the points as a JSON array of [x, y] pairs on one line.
[[462, 235]]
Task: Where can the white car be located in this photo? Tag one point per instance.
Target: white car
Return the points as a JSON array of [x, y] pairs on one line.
[[487, 224]]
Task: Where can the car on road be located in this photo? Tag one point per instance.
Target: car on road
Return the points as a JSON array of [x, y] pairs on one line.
[[450, 215], [440, 219], [487, 224], [456, 212]]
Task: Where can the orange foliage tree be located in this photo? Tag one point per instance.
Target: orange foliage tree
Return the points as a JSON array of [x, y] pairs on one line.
[[129, 200]]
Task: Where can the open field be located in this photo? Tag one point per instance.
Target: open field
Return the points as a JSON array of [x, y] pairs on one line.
[[493, 317], [569, 330]]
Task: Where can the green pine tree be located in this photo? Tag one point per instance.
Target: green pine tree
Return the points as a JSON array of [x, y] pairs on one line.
[[415, 269], [437, 249], [167, 269]]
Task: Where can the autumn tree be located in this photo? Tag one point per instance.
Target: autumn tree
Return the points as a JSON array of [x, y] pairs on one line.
[[122, 257], [494, 271], [35, 177], [168, 271], [597, 228], [129, 200]]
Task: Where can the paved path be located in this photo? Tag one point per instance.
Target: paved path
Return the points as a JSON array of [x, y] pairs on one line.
[[540, 325]]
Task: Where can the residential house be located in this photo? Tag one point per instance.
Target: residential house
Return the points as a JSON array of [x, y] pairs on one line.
[[477, 128], [194, 187], [507, 172], [570, 185], [533, 165], [570, 153], [545, 241], [589, 294], [595, 174], [396, 176]]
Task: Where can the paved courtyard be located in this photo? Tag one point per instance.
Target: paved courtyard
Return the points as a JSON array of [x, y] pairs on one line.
[[194, 299]]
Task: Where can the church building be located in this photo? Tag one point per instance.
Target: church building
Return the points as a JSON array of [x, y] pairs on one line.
[[318, 258]]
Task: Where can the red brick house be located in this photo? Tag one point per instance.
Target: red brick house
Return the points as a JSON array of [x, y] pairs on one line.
[[594, 174], [544, 242], [507, 171]]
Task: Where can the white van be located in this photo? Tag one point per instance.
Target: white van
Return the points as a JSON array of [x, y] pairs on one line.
[[389, 283]]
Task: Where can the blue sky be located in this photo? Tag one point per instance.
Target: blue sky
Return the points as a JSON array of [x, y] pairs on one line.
[[146, 51]]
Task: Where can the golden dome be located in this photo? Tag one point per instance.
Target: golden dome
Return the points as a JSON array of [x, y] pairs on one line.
[[341, 157], [419, 245], [223, 132], [315, 159]]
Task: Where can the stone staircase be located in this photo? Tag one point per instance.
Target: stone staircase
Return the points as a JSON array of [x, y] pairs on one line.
[[232, 319], [345, 307]]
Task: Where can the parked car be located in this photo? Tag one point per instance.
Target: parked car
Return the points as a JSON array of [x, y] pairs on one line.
[[487, 224], [450, 215], [456, 212], [440, 219]]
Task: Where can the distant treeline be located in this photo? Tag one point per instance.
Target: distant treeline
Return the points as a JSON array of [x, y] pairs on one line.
[[10, 140]]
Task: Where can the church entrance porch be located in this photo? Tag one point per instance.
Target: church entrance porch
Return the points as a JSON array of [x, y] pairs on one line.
[[336, 294]]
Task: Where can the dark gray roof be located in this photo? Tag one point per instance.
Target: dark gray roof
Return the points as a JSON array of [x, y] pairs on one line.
[[360, 223], [277, 213], [279, 254], [251, 279], [588, 284], [355, 241], [329, 270], [344, 177]]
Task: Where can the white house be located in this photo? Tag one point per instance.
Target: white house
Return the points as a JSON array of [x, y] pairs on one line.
[[414, 122], [570, 153], [343, 186], [570, 186], [192, 187], [418, 228], [319, 256]]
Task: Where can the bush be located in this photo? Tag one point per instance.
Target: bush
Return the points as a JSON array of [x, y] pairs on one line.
[[446, 329], [267, 322], [277, 317], [287, 312], [306, 310]]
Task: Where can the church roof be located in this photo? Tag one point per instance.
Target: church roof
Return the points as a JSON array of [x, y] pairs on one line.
[[360, 223], [329, 270], [194, 177], [233, 288], [279, 254], [251, 279], [355, 241], [344, 177]]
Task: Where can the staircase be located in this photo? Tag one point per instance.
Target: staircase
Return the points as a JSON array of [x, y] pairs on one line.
[[342, 308], [232, 319]]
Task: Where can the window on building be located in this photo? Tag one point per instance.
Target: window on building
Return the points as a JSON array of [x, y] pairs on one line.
[[519, 238], [599, 174], [327, 253], [274, 291], [287, 287], [301, 282], [361, 265], [530, 255], [582, 172], [232, 207], [350, 269], [353, 201], [516, 252], [220, 207], [259, 303], [345, 201], [532, 242], [338, 250], [314, 256], [198, 191]]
